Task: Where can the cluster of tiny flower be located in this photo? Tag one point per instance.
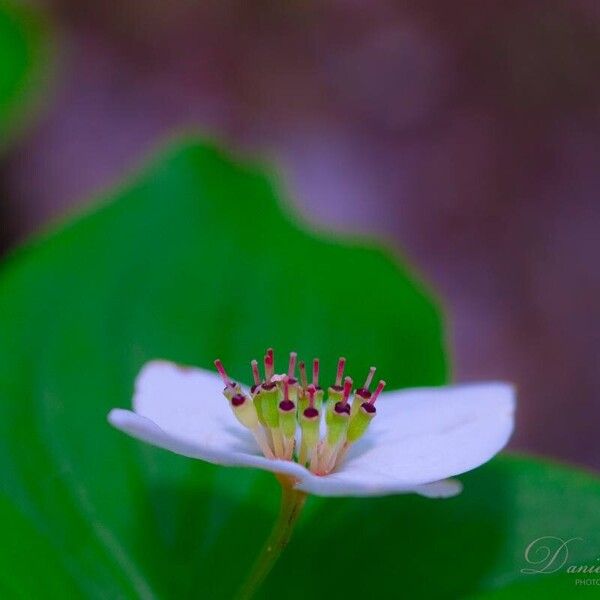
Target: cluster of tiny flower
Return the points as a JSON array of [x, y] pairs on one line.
[[278, 404]]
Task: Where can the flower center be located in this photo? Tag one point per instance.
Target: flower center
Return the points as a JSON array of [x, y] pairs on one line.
[[285, 414]]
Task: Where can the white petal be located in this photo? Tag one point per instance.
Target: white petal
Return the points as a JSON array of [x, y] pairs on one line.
[[147, 431], [447, 488], [418, 439], [423, 436], [183, 410], [337, 484]]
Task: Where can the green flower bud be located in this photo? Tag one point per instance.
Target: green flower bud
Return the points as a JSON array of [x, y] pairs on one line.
[[244, 410], [287, 418], [360, 421], [309, 424], [337, 423], [267, 401]]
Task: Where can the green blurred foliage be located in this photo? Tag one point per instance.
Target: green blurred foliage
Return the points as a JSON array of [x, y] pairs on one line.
[[24, 56], [472, 545], [197, 258]]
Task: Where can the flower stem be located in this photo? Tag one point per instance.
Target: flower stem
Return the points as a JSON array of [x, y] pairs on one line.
[[292, 501]]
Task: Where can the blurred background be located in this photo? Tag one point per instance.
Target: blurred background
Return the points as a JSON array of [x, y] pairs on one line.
[[466, 134]]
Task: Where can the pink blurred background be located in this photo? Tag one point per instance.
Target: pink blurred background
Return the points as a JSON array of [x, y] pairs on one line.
[[466, 133]]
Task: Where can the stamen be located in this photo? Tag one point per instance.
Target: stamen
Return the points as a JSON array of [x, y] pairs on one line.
[[340, 371], [302, 398], [310, 392], [260, 435], [315, 377], [309, 425], [255, 372], [276, 407], [245, 412], [269, 365], [292, 365], [287, 421], [337, 421], [347, 389], [302, 369], [221, 369], [369, 378], [378, 391], [286, 389], [363, 394]]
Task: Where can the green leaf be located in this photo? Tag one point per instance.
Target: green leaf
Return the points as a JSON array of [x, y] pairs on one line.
[[196, 258], [24, 50]]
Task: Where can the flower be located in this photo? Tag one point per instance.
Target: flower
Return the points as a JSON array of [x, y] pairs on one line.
[[324, 444]]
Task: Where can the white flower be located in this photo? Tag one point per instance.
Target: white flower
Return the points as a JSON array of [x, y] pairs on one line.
[[419, 439]]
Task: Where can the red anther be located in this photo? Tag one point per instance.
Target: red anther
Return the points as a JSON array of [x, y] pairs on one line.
[[311, 390], [347, 389], [342, 408], [368, 408], [238, 400], [378, 391], [287, 406], [292, 364], [316, 372], [269, 365], [340, 371], [302, 368], [255, 372], [311, 412], [369, 378], [223, 373]]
